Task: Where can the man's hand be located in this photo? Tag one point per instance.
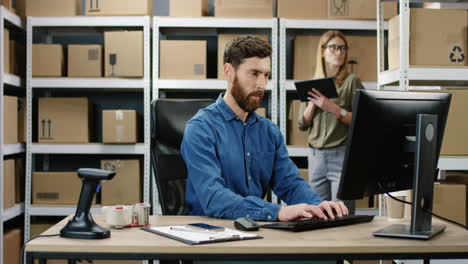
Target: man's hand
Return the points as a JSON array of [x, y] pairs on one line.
[[298, 211], [339, 208]]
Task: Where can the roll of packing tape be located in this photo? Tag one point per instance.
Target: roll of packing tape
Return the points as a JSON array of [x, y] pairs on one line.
[[118, 216]]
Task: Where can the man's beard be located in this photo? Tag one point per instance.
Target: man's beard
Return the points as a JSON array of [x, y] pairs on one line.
[[244, 101]]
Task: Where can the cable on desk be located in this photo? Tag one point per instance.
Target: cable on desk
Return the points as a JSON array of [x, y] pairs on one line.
[[427, 211], [24, 245]]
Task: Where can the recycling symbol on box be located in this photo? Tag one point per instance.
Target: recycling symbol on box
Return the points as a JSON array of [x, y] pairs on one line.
[[457, 55]]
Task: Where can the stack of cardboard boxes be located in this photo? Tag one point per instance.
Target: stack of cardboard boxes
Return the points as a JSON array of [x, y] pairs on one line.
[[123, 57], [69, 119], [26, 8]]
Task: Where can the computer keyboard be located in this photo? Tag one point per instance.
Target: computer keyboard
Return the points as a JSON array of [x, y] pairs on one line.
[[310, 224]]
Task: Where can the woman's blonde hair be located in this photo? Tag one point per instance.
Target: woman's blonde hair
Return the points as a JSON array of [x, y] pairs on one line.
[[320, 62]]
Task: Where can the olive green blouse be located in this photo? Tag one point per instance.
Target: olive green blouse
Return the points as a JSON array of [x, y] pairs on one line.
[[325, 130]]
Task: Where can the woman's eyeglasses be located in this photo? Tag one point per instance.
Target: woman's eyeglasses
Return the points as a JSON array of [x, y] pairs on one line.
[[335, 48]]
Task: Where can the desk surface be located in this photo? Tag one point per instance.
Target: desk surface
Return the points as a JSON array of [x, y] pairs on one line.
[[348, 240]]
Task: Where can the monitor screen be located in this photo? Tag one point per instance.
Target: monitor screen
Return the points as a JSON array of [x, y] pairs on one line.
[[380, 146]]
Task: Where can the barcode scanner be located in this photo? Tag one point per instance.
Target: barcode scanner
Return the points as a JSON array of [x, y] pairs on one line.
[[82, 225]]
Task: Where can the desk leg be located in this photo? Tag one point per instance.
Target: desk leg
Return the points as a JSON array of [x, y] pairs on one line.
[[427, 261], [43, 261], [71, 261]]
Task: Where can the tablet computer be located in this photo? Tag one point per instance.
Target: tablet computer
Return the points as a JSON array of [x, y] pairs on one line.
[[326, 86]]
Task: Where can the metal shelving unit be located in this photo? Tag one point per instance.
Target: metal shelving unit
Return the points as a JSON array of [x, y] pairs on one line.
[[208, 26], [86, 84], [37, 210], [288, 85], [408, 77], [92, 148], [12, 21]]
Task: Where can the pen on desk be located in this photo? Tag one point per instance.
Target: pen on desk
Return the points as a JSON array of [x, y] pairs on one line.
[[184, 229]]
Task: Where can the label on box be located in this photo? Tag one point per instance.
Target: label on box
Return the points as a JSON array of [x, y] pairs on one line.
[[339, 7], [199, 69], [46, 131], [456, 54], [51, 196], [93, 54]]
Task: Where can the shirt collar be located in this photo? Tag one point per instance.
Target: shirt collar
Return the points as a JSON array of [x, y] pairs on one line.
[[229, 114]]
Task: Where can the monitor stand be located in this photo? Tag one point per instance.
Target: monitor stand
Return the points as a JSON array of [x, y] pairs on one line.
[[425, 173]]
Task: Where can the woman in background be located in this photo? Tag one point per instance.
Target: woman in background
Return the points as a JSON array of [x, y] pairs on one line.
[[327, 120]]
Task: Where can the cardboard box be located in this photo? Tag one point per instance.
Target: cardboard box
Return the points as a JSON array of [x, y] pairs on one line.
[[12, 243], [85, 61], [261, 111], [8, 4], [20, 176], [52, 7], [304, 173], [450, 201], [445, 42], [362, 203], [17, 58], [123, 53], [64, 120], [358, 9], [223, 40], [337, 9], [10, 119], [125, 187], [119, 126], [9, 193], [36, 229], [6, 50], [243, 8], [456, 125], [303, 9], [54, 188], [22, 119], [184, 8], [119, 7], [182, 59], [458, 178], [305, 53], [47, 60], [362, 56], [296, 137]]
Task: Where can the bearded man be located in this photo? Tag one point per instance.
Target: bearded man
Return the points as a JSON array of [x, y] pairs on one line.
[[234, 156]]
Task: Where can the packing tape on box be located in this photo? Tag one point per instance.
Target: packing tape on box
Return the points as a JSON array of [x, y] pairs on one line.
[[119, 132], [119, 115]]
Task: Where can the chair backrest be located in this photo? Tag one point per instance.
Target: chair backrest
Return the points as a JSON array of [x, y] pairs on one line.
[[168, 120]]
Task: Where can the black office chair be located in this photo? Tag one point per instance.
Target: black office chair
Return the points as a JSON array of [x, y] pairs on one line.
[[168, 119]]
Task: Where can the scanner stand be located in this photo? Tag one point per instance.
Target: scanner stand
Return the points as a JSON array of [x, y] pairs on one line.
[[82, 225]]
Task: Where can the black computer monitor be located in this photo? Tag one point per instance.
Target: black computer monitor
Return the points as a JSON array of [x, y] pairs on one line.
[[393, 144]]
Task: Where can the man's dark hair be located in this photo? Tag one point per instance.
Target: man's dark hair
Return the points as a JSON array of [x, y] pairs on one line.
[[245, 47]]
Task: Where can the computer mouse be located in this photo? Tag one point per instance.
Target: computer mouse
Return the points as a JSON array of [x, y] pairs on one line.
[[246, 224]]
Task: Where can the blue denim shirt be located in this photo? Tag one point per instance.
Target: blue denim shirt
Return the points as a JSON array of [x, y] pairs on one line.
[[232, 165]]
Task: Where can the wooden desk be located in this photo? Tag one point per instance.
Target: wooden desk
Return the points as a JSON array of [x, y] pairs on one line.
[[348, 242]]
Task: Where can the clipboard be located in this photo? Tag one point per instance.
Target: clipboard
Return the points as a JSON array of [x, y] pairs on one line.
[[325, 85], [198, 238]]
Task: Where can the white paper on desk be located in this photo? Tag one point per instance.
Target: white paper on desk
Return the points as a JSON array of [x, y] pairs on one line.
[[201, 237]]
